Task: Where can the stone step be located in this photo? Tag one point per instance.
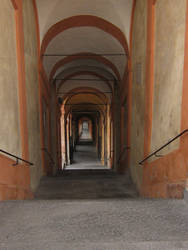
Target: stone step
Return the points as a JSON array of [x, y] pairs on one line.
[[123, 245], [94, 225], [90, 172], [86, 184]]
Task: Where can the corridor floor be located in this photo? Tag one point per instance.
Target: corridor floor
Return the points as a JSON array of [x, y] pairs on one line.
[[85, 157], [85, 135]]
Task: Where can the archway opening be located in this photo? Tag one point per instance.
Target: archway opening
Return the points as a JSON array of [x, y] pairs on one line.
[[86, 76], [84, 130]]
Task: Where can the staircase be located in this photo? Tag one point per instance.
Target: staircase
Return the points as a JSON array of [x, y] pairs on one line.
[[92, 210], [86, 184]]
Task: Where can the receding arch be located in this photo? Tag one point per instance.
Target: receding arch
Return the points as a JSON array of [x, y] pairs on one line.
[[90, 90], [84, 55], [86, 73], [84, 21], [78, 91]]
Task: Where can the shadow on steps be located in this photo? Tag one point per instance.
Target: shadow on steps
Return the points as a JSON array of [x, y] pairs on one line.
[[86, 184]]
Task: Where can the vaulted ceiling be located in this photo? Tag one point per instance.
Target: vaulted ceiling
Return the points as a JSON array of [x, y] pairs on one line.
[[83, 39]]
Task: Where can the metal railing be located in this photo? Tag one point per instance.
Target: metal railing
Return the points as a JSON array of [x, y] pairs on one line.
[[166, 144], [122, 153], [17, 158], [49, 155]]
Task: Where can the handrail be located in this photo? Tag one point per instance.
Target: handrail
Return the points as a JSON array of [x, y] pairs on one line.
[[49, 155], [17, 158], [122, 153], [155, 153]]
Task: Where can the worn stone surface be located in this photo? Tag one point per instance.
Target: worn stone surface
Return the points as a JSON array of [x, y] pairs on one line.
[[86, 184], [106, 224], [86, 178]]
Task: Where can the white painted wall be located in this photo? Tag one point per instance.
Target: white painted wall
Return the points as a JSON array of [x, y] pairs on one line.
[[85, 63], [117, 12], [97, 70]]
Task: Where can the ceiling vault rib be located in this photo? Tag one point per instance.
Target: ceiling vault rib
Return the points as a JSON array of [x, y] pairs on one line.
[[85, 112], [88, 104], [83, 92], [97, 80], [93, 55]]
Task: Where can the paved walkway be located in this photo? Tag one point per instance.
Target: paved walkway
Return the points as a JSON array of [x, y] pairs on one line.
[[85, 157], [92, 210], [94, 225]]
